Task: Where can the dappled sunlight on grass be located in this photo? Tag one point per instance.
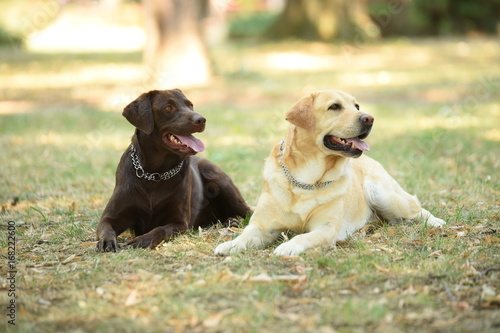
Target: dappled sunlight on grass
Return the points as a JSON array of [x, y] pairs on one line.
[[296, 61], [73, 31], [115, 141], [394, 126], [85, 75], [436, 113], [492, 135]]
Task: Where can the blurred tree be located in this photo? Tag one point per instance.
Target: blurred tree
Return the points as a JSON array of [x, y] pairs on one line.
[[325, 20], [175, 51], [435, 18], [458, 16]]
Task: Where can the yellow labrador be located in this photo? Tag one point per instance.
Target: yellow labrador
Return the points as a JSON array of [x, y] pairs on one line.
[[317, 183]]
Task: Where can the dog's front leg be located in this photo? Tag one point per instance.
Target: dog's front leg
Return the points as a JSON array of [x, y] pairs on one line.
[[157, 235], [106, 237], [251, 237], [322, 235]]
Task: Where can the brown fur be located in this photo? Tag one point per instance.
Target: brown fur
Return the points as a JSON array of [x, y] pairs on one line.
[[199, 195]]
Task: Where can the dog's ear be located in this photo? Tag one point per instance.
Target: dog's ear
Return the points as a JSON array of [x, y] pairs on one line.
[[301, 114], [140, 114]]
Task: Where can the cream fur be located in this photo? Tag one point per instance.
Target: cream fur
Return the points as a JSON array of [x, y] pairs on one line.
[[361, 189]]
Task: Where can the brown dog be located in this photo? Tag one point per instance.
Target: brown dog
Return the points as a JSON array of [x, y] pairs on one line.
[[161, 189]]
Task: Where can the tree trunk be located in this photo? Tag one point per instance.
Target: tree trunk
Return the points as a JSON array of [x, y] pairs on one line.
[[175, 52], [324, 20]]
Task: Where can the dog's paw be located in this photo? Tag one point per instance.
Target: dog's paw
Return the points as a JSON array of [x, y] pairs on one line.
[[289, 248], [435, 222], [144, 242], [108, 245], [228, 248]]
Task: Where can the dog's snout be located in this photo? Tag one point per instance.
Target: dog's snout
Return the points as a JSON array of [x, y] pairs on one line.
[[366, 119], [199, 120]]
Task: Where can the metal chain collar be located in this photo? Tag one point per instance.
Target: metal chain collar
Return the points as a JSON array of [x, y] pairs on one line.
[[156, 177], [294, 181]]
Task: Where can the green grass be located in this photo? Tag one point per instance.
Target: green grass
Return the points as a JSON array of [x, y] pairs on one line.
[[436, 132]]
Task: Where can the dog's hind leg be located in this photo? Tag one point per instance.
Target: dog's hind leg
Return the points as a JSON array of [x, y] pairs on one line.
[[392, 203], [429, 219], [221, 194]]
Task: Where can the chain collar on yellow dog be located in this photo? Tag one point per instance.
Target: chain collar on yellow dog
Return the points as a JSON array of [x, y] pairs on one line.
[[292, 179]]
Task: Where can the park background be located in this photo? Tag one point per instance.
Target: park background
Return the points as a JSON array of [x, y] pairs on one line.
[[428, 71]]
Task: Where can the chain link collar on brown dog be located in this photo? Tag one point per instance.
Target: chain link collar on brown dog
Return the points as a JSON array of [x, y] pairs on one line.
[[156, 177], [294, 181]]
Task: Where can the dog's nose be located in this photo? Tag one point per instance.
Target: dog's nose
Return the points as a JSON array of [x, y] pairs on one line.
[[199, 120], [366, 119]]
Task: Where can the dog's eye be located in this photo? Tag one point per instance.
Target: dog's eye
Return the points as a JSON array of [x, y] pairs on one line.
[[169, 108], [357, 106], [335, 106]]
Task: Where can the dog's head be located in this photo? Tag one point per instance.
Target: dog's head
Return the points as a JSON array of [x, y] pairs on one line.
[[333, 119], [167, 116]]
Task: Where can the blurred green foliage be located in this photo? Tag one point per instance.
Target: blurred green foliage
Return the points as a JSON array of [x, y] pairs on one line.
[[9, 38], [393, 17], [20, 19], [250, 24], [396, 18], [435, 18]]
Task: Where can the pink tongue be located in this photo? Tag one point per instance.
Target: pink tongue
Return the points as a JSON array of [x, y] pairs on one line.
[[358, 144], [192, 142]]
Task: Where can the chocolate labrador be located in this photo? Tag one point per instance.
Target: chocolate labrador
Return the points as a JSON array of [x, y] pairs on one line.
[[161, 188]]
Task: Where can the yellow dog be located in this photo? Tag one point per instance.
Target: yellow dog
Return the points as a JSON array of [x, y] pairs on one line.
[[317, 183]]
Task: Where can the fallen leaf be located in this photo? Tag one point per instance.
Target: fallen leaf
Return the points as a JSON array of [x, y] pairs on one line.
[[463, 306], [132, 298], [491, 239], [99, 291], [488, 290], [68, 259], [345, 292], [228, 275], [382, 248], [228, 259], [45, 264], [291, 258], [441, 323], [227, 231], [262, 277], [326, 329], [410, 290], [215, 319], [435, 254], [300, 269], [490, 302], [88, 244], [290, 278], [381, 269], [44, 301]]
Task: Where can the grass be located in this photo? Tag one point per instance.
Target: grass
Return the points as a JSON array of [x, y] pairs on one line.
[[436, 131]]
